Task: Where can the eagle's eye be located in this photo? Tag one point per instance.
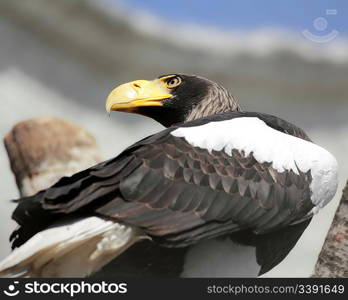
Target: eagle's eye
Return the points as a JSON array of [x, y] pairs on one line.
[[173, 82]]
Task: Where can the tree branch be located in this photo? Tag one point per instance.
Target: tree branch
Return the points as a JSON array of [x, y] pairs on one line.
[[333, 258], [42, 150]]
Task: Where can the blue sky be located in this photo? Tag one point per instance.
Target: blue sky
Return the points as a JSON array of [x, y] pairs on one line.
[[295, 15]]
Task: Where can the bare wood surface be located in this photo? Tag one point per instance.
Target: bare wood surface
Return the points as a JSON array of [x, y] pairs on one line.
[[42, 150], [333, 258]]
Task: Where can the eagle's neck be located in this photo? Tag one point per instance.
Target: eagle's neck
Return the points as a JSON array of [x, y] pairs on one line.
[[217, 101]]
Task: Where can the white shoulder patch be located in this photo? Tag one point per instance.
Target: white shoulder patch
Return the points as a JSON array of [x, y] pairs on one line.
[[285, 152]]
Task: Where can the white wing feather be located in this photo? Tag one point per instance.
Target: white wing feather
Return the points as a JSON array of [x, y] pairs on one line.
[[74, 249]]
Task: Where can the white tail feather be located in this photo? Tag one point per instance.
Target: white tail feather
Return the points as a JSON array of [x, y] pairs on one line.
[[74, 249]]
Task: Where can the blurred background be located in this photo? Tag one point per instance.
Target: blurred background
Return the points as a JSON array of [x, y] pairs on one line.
[[62, 58]]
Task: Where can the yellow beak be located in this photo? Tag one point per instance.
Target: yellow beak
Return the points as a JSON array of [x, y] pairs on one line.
[[136, 94]]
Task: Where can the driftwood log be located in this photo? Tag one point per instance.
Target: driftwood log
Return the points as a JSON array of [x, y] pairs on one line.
[[333, 258], [42, 150]]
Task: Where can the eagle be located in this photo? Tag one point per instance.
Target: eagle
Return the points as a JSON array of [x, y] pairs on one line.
[[215, 173]]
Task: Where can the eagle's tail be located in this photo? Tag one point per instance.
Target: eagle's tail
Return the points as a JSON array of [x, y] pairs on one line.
[[75, 248]]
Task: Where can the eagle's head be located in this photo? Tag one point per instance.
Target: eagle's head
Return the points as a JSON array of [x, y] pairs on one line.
[[172, 99]]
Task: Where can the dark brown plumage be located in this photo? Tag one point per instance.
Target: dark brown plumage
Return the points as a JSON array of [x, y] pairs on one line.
[[178, 194], [183, 188]]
